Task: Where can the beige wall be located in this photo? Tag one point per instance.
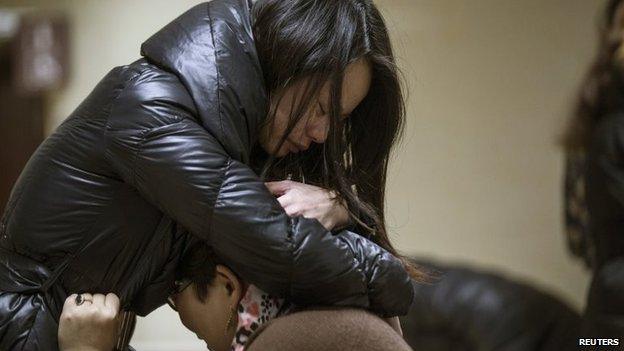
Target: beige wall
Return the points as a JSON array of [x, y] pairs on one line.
[[478, 176]]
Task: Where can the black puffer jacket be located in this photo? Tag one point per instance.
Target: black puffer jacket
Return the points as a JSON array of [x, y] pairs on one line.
[[161, 146]]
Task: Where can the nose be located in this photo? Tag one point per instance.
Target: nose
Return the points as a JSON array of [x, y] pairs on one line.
[[318, 131]]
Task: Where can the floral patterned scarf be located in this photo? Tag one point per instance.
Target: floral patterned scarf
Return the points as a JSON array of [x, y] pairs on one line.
[[255, 309]]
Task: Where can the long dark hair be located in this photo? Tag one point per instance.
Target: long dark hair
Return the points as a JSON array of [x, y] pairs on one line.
[[316, 40], [601, 91]]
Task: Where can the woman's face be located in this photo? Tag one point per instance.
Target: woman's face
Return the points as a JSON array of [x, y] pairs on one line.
[[314, 124], [209, 319]]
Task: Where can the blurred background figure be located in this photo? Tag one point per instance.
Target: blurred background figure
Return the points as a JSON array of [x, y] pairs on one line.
[[594, 188], [34, 53], [474, 192]]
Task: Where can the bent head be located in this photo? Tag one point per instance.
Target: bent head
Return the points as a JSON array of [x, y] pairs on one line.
[[314, 124], [206, 298], [336, 103], [321, 59]]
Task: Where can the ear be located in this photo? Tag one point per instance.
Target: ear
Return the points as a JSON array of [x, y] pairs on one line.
[[231, 281]]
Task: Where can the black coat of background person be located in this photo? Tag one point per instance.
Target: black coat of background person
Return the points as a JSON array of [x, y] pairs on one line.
[[160, 149], [470, 309], [604, 312]]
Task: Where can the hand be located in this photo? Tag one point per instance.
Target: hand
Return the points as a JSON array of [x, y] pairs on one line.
[[91, 326], [310, 201], [395, 323]]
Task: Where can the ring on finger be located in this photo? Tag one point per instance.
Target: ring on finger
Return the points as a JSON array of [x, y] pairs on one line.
[[81, 299]]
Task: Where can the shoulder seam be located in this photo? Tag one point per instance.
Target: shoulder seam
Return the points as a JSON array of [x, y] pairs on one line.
[[127, 84], [216, 56], [226, 168], [130, 82]]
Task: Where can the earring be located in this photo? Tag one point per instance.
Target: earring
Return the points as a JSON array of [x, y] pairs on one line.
[[230, 320]]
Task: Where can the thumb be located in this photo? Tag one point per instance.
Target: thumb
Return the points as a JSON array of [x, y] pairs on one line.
[[111, 301]]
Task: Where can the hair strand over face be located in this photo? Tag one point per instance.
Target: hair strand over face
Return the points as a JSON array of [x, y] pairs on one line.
[[316, 40]]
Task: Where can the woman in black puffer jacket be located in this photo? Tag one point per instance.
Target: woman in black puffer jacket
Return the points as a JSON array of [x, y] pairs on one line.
[[167, 150]]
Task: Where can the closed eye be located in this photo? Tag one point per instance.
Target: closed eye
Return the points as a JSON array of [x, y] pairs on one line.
[[342, 117]]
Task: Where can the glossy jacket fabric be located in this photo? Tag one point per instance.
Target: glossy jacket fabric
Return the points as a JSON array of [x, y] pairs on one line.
[[159, 150]]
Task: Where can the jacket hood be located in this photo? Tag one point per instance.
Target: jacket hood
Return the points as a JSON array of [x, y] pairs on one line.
[[211, 50]]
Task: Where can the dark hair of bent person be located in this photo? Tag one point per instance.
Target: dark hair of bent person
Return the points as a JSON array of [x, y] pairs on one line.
[[317, 40], [601, 91], [198, 265]]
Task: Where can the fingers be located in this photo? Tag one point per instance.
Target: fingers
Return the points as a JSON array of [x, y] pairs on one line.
[[108, 308], [98, 300], [92, 325], [291, 206], [88, 298], [285, 200], [108, 302], [279, 188], [70, 302], [104, 307], [71, 308], [309, 201], [111, 301]]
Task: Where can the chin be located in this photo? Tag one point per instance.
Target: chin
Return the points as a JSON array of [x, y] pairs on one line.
[[270, 150]]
